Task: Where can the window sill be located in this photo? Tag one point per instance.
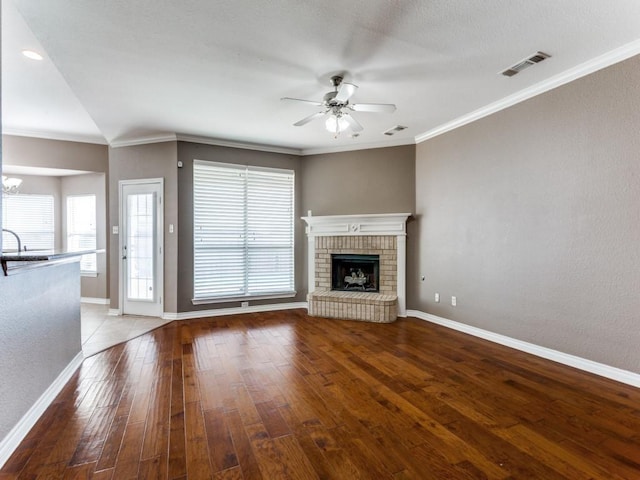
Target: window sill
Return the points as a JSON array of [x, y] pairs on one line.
[[89, 274], [241, 298]]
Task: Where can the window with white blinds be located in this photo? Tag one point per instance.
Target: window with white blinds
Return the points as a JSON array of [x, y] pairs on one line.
[[32, 218], [243, 231], [81, 229]]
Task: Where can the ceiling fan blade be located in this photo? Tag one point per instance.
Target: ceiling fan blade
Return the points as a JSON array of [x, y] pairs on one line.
[[353, 123], [345, 91], [306, 120], [310, 102], [373, 107]]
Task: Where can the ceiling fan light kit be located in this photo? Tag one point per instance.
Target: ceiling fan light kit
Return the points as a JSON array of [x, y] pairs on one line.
[[336, 107]]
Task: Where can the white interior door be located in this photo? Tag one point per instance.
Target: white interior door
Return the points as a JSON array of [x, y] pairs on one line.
[[141, 245]]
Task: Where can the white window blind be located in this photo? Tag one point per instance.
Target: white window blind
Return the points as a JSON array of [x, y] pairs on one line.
[[243, 231], [32, 218], [81, 229]]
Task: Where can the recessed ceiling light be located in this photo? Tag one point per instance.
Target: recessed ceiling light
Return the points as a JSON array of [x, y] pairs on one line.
[[32, 55]]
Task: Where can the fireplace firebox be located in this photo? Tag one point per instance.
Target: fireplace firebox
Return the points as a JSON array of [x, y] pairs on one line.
[[354, 272]]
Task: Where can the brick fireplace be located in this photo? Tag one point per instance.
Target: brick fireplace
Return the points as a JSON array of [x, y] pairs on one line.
[[382, 236]]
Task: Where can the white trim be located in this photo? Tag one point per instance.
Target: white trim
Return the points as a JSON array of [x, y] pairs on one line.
[[232, 311], [311, 265], [159, 138], [614, 373], [114, 312], [401, 277], [243, 298], [579, 71], [356, 225], [12, 440], [95, 300], [232, 144], [358, 146]]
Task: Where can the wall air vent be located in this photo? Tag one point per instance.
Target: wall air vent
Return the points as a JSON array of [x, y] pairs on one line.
[[526, 63], [394, 130]]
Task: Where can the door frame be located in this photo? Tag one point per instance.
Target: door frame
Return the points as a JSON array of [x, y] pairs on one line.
[[159, 239]]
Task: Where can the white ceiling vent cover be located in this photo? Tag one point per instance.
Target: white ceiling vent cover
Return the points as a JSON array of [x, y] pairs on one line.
[[393, 130], [526, 63]]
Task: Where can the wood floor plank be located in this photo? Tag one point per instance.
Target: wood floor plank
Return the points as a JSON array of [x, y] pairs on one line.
[[221, 450], [198, 464], [244, 453], [128, 459], [177, 440], [284, 395]]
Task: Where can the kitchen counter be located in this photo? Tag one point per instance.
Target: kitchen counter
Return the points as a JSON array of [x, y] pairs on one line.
[[13, 261]]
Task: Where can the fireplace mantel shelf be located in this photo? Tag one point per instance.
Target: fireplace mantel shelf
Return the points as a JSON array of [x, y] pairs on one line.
[[349, 225]]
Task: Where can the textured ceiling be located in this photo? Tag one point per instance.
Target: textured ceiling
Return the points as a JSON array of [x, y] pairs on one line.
[[123, 71]]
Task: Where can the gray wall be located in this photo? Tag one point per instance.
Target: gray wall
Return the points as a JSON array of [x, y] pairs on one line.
[[40, 331], [40, 152], [531, 217], [379, 180], [156, 160], [187, 152]]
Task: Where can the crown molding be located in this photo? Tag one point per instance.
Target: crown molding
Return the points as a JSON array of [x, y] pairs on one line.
[[131, 142], [606, 60], [359, 146], [65, 137], [232, 144]]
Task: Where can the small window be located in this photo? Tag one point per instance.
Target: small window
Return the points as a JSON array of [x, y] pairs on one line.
[[81, 229], [32, 218]]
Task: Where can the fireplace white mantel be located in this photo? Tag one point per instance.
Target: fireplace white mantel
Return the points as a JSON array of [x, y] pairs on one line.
[[386, 224]]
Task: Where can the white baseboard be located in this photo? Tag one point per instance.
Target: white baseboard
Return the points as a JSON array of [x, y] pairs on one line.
[[218, 312], [29, 419], [114, 312], [95, 300], [614, 373]]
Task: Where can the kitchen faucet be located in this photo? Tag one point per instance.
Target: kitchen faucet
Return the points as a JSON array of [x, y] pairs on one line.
[[15, 235]]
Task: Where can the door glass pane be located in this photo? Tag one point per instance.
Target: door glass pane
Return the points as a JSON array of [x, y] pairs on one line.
[[140, 246]]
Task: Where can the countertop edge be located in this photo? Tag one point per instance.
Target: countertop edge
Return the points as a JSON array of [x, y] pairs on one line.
[[43, 255]]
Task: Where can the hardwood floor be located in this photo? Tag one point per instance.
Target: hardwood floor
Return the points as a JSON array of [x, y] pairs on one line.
[[283, 395]]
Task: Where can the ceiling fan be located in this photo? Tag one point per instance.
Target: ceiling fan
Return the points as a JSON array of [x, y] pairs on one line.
[[336, 106]]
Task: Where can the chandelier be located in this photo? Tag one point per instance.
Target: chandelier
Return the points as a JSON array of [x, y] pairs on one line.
[[10, 185]]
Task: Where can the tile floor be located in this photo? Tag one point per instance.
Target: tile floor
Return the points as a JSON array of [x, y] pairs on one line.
[[101, 331]]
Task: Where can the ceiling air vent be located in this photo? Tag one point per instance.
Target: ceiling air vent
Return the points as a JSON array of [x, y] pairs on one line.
[[526, 63], [394, 130]]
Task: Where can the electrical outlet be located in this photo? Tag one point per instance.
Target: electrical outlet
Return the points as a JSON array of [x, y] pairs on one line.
[[437, 297], [244, 304], [454, 301]]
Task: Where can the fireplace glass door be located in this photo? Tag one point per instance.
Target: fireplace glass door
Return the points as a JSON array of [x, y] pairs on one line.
[[358, 273]]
